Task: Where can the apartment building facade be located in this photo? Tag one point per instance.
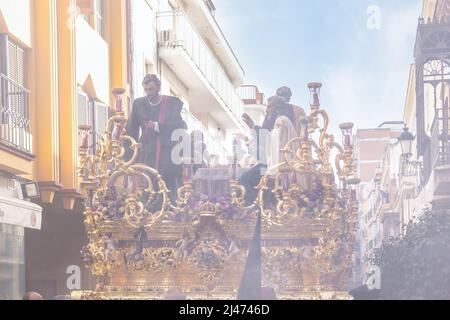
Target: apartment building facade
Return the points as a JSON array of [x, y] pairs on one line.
[[371, 146]]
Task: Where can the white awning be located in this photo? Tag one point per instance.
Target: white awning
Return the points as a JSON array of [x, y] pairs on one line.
[[20, 213]]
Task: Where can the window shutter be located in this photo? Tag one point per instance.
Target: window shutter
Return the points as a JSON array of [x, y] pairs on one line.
[[100, 118], [12, 62], [3, 53], [100, 121], [21, 67], [83, 107]]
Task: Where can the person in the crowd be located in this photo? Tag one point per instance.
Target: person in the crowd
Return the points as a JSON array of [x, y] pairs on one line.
[[153, 120], [62, 297], [31, 295]]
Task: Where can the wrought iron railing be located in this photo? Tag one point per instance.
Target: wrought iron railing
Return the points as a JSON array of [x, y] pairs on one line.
[[440, 138], [175, 30], [14, 115], [410, 168]]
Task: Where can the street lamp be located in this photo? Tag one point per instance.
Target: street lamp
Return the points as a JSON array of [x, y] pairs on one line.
[[405, 140]]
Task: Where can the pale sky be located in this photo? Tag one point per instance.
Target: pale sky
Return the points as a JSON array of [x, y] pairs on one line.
[[292, 42]]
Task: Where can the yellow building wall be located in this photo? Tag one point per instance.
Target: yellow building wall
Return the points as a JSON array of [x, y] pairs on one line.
[[15, 164], [67, 96], [409, 115], [15, 20], [116, 34], [43, 78], [61, 57]]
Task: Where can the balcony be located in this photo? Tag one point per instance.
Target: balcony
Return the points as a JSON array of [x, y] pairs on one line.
[[214, 148], [201, 13], [251, 95], [254, 102], [185, 52], [410, 178], [14, 116]]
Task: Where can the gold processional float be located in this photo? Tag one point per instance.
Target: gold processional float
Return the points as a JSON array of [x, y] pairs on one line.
[[141, 245]]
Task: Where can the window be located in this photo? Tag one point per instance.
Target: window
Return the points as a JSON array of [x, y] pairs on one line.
[[100, 120], [93, 11], [94, 114], [14, 97], [83, 109], [12, 262], [86, 9], [16, 64], [84, 117], [99, 12]]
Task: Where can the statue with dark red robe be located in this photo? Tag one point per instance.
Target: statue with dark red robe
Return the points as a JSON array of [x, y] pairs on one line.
[[152, 122]]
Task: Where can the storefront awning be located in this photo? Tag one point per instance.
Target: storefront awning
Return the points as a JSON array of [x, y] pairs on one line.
[[20, 213]]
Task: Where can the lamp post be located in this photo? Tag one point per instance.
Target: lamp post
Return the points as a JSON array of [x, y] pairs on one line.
[[405, 140]]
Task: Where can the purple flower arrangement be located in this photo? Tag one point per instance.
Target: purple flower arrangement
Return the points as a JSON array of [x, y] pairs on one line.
[[111, 204], [227, 211]]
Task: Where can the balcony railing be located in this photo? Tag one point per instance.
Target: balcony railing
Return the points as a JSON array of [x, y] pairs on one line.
[[251, 95], [212, 145], [410, 168], [14, 115], [440, 138], [175, 30]]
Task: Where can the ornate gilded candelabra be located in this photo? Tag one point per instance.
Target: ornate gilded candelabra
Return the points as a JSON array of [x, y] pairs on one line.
[[311, 207]]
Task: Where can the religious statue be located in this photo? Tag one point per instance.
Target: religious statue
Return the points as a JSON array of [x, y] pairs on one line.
[[233, 250], [110, 248], [154, 118], [277, 107], [183, 246], [141, 238]]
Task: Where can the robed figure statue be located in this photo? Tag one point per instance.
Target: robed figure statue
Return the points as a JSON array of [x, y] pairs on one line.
[[153, 120]]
